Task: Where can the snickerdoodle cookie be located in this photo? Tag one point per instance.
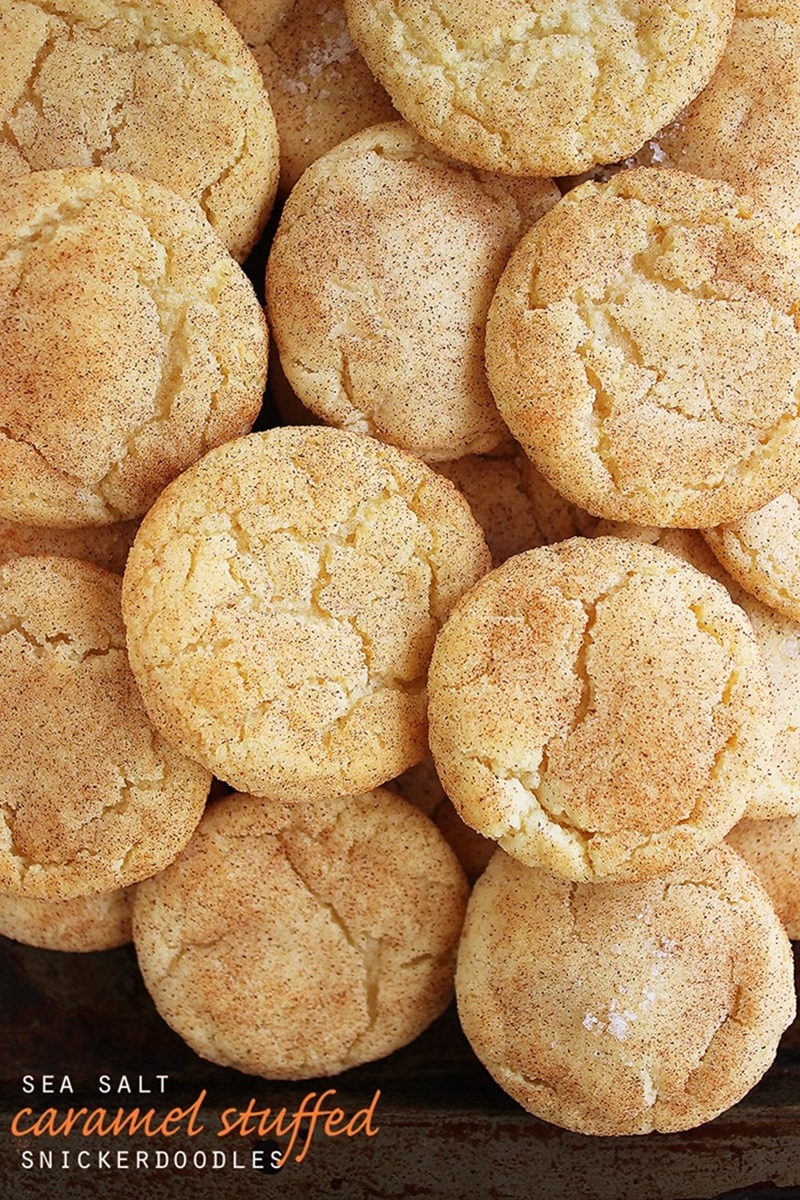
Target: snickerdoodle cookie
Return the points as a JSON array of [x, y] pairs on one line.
[[778, 638], [105, 545], [320, 88], [166, 90], [745, 126], [282, 598], [642, 346], [91, 797], [599, 708], [762, 552], [379, 280], [540, 87], [494, 485], [77, 926], [772, 848], [130, 343], [294, 941], [613, 1009]]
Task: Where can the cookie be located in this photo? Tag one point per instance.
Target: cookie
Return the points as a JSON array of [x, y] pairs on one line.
[[540, 88], [556, 518], [320, 88], [105, 545], [494, 485], [614, 1010], [81, 925], [91, 798], [772, 849], [378, 284], [599, 708], [293, 942], [421, 787], [130, 343], [282, 598], [762, 552], [778, 638], [642, 347], [744, 127], [168, 91]]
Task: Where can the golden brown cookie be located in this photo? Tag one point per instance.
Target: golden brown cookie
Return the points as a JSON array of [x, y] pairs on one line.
[[614, 1009], [778, 638], [744, 127], [762, 552], [540, 88], [91, 798], [494, 485], [320, 88], [166, 90], [294, 941], [599, 708], [80, 925], [642, 346], [130, 343], [282, 598], [105, 545], [378, 284], [772, 849]]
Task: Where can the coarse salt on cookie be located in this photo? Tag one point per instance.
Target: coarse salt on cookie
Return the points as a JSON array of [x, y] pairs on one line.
[[623, 1009]]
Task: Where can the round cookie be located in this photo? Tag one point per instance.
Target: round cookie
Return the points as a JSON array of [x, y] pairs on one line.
[[642, 347], [772, 849], [166, 90], [599, 708], [540, 88], [282, 599], [297, 941], [762, 552], [778, 637], [494, 485], [614, 1010], [91, 798], [744, 127], [105, 545], [320, 88], [378, 283], [77, 926], [130, 343]]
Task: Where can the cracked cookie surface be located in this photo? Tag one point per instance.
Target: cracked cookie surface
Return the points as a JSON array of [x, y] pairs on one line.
[[772, 850], [78, 926], [319, 86], [166, 90], [762, 552], [295, 941], [91, 797], [778, 638], [540, 87], [622, 1009], [378, 284], [600, 709], [282, 598], [130, 343], [642, 346], [744, 127]]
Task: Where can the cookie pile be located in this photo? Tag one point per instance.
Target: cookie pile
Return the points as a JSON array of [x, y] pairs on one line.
[[521, 424]]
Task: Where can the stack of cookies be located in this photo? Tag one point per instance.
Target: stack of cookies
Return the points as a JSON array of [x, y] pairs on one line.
[[520, 425]]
